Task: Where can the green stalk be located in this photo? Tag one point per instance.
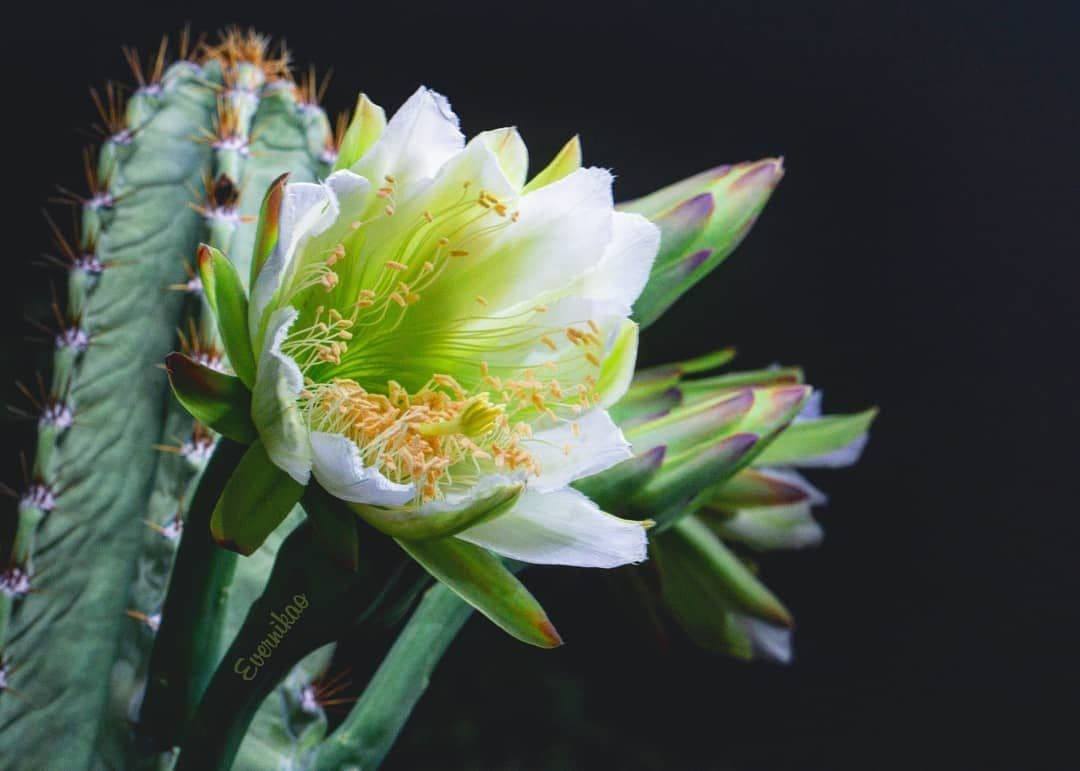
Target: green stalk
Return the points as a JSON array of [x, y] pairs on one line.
[[187, 644], [334, 597], [371, 728]]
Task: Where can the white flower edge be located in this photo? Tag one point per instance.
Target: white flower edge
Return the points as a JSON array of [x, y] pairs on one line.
[[563, 527]]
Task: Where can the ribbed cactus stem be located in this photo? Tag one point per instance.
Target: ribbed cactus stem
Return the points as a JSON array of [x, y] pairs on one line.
[[137, 220], [372, 726]]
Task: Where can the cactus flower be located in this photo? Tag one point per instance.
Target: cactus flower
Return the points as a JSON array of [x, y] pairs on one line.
[[436, 342]]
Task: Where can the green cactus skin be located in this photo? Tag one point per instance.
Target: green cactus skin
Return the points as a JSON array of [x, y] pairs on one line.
[[99, 481]]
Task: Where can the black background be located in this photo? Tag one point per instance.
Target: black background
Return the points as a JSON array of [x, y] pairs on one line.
[[919, 255]]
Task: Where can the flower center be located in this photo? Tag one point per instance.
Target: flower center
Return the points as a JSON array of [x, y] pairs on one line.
[[437, 430], [435, 437]]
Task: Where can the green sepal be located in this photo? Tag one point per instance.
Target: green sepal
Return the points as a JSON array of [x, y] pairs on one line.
[[701, 577], [436, 520], [565, 162], [482, 580], [751, 487], [219, 401], [667, 284], [628, 414], [611, 489], [684, 476], [650, 382], [333, 526], [765, 528], [706, 388], [774, 409], [256, 500], [364, 129], [224, 291], [812, 438], [686, 427], [266, 233]]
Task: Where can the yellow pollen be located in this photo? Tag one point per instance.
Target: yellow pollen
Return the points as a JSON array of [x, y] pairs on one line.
[[420, 438]]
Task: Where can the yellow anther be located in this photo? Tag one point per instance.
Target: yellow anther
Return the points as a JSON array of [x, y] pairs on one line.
[[389, 211], [484, 370], [541, 309], [592, 358], [398, 299], [480, 299], [549, 342], [443, 242], [428, 217], [575, 429], [594, 327], [390, 178], [412, 297], [394, 265], [458, 253]]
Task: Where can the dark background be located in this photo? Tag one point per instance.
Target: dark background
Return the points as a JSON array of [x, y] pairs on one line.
[[920, 255]]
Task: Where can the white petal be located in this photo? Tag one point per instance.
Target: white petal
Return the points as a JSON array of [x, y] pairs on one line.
[[420, 137], [561, 528], [624, 268], [338, 467], [513, 155], [560, 235], [565, 454], [277, 418], [307, 209]]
